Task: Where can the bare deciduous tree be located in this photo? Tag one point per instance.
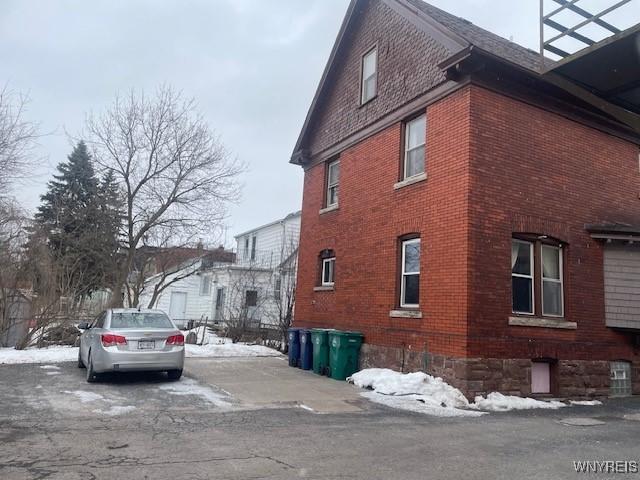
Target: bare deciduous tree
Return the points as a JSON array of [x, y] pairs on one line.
[[17, 138], [174, 171]]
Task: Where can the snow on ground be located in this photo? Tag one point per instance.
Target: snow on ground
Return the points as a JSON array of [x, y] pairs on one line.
[[229, 350], [189, 387], [84, 396], [419, 404], [215, 346], [585, 402], [497, 402], [116, 410], [50, 367], [419, 392], [39, 355]]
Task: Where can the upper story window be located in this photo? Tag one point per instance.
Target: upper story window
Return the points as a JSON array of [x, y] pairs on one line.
[[333, 182], [414, 146], [254, 239], [328, 271], [246, 247], [536, 263], [369, 82], [410, 276], [327, 268], [205, 285]]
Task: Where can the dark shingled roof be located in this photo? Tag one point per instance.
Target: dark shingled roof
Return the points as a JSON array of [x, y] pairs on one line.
[[481, 38]]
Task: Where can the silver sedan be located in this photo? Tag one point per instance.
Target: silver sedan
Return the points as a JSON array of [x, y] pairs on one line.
[[127, 339]]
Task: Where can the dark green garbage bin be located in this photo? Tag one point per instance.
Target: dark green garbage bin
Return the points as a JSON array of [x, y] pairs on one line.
[[344, 352], [320, 340]]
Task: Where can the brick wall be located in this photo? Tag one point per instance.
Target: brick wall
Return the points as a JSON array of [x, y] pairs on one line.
[[364, 233], [494, 166], [407, 67], [538, 172]]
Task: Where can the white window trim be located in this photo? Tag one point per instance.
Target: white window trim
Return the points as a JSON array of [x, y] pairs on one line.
[[404, 274], [407, 149], [553, 280], [330, 185], [531, 277], [363, 80], [328, 261]]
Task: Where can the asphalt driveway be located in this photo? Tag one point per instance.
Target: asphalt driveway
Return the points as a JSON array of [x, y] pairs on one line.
[[53, 425]]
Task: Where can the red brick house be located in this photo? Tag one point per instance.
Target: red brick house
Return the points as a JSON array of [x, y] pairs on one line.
[[471, 219]]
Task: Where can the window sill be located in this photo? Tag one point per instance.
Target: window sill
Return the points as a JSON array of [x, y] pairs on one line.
[[421, 177], [326, 288], [405, 314], [328, 209], [542, 322]]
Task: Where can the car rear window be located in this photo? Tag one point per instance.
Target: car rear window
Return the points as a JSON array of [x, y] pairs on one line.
[[140, 320]]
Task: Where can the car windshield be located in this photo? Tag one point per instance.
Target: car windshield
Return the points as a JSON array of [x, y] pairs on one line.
[[140, 320]]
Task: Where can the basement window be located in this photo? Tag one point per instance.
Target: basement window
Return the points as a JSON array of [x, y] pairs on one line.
[[369, 85], [620, 379]]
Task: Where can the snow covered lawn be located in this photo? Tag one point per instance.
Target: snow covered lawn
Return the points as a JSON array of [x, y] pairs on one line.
[[419, 392], [214, 346], [39, 355]]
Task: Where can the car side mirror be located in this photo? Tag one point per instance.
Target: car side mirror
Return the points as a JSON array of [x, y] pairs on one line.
[[83, 326]]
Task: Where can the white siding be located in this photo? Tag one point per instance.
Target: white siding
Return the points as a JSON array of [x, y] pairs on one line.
[[622, 285], [198, 306]]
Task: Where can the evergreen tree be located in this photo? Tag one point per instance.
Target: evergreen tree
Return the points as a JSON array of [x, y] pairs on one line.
[[79, 219]]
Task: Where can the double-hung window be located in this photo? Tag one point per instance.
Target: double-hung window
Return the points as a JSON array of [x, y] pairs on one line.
[[328, 271], [534, 263], [410, 276], [552, 302], [369, 81], [522, 276], [414, 146], [333, 182]]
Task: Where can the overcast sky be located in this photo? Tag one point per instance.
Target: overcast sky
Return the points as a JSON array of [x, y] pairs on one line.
[[252, 65]]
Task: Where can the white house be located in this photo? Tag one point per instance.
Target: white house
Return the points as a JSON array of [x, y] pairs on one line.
[[251, 283]]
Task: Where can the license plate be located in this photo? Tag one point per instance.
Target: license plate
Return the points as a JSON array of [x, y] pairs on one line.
[[146, 344]]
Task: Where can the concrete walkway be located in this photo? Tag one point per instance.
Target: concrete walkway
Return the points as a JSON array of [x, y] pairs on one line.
[[269, 382]]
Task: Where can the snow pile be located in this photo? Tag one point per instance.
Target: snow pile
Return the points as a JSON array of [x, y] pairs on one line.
[[38, 355], [415, 392], [419, 392], [388, 382], [188, 387], [497, 402]]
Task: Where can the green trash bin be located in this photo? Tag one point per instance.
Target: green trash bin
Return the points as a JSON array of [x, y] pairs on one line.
[[320, 341], [344, 353]]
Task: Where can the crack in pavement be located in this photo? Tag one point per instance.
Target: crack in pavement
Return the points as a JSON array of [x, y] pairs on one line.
[[125, 461]]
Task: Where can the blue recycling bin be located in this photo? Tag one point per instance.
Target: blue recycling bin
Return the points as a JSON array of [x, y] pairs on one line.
[[294, 347], [306, 349]]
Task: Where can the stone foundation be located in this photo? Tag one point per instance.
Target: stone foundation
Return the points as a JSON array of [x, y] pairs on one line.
[[479, 376]]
